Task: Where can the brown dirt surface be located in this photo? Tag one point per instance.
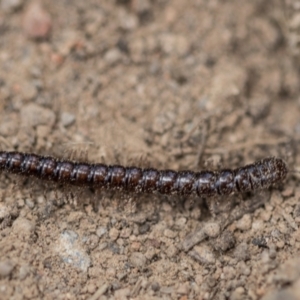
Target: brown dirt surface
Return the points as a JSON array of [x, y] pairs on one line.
[[180, 85]]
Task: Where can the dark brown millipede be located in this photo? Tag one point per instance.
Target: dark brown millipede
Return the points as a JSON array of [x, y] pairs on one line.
[[256, 176]]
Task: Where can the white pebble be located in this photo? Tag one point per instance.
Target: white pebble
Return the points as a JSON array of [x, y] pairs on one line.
[[6, 268]]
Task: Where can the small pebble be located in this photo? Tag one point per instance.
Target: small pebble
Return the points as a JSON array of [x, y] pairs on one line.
[[138, 260], [101, 231], [172, 44], [257, 225], [111, 272], [155, 286], [67, 119], [225, 242], [288, 272], [150, 253], [193, 239], [238, 293], [4, 212], [228, 273], [8, 126], [92, 241], [24, 271], [112, 56], [6, 267], [37, 22], [241, 252], [144, 228], [135, 246], [34, 115], [91, 288], [114, 234], [29, 203], [128, 21], [167, 290], [28, 91], [170, 233], [196, 213], [243, 268], [71, 252], [212, 229], [288, 192], [203, 254], [180, 223], [22, 226], [126, 232], [122, 293], [244, 223], [184, 289], [171, 251]]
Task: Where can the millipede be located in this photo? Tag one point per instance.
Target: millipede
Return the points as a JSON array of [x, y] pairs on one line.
[[256, 176]]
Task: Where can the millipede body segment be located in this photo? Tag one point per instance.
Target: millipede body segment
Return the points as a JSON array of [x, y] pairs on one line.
[[259, 175]]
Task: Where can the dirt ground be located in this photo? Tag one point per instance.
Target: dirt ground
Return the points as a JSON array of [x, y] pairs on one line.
[[181, 85]]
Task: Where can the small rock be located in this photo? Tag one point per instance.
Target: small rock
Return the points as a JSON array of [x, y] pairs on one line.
[[144, 228], [114, 234], [138, 260], [4, 212], [24, 271], [228, 273], [135, 246], [171, 251], [241, 252], [193, 239], [167, 290], [225, 242], [101, 231], [91, 288], [257, 225], [28, 92], [203, 254], [288, 272], [184, 289], [22, 226], [71, 252], [37, 22], [29, 203], [126, 232], [92, 241], [122, 293], [155, 286], [67, 119], [8, 126], [212, 229], [180, 223], [170, 233], [113, 56], [196, 213], [174, 44], [6, 267], [34, 115], [111, 272], [238, 293], [128, 21], [243, 268], [244, 223], [150, 253], [288, 192]]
